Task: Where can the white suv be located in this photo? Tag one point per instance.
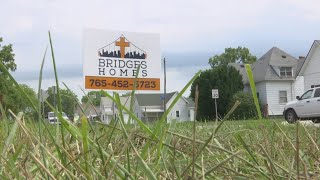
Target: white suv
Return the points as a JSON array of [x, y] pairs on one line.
[[53, 119], [305, 107]]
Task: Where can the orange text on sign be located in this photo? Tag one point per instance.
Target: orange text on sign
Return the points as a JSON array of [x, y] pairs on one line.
[[113, 83]]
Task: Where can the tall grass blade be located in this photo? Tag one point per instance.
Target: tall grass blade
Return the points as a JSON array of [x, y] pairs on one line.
[[244, 144], [12, 134], [219, 164], [132, 100], [297, 151], [131, 114], [253, 89], [57, 87], [197, 155], [144, 165], [194, 138], [160, 128], [234, 107], [40, 109], [39, 87], [85, 143]]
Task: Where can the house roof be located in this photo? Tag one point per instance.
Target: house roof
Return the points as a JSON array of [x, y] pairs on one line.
[[124, 100], [308, 57], [153, 99], [191, 103], [106, 101], [264, 68], [89, 109]]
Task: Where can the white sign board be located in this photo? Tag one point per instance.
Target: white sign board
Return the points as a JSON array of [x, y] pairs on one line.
[[111, 60], [43, 95], [215, 93]]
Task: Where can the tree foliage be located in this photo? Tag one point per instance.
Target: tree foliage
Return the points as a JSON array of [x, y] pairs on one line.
[[14, 100], [68, 101], [7, 56], [225, 78], [247, 108], [6, 86], [95, 97], [233, 55]]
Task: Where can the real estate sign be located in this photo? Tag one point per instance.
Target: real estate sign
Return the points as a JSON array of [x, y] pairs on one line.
[[112, 60]]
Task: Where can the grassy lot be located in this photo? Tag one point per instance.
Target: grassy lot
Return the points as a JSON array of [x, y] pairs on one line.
[[254, 149]]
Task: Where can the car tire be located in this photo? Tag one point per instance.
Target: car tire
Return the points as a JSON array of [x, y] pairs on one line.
[[291, 116], [316, 120]]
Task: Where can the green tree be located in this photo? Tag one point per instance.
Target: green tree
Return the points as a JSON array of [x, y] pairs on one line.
[[7, 56], [18, 102], [7, 59], [247, 108], [225, 78], [95, 97], [233, 55], [68, 101], [14, 100]]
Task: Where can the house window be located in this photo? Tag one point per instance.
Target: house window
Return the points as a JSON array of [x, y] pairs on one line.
[[317, 93], [177, 114], [258, 95], [189, 113], [286, 71], [283, 97]]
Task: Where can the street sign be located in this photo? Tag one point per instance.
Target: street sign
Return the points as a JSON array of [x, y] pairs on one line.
[[43, 95], [112, 58], [215, 94]]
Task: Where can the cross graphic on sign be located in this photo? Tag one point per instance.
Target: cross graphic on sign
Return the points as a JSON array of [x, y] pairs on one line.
[[123, 44]]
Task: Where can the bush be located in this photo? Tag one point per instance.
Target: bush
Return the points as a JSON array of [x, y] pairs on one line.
[[225, 78], [246, 110]]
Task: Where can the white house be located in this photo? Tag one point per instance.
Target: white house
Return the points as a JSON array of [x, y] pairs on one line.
[[88, 109], [109, 109], [310, 71], [150, 107], [277, 80]]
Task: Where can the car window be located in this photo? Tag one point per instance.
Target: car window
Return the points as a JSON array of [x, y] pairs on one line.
[[307, 95], [50, 114], [317, 93]]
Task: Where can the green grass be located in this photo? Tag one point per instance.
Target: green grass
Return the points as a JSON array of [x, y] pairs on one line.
[[240, 149], [252, 149]]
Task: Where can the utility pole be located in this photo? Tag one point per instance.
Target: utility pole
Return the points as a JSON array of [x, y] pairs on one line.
[[54, 96], [165, 87]]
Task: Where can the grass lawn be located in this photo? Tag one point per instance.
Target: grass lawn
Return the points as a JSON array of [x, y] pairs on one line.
[[252, 149]]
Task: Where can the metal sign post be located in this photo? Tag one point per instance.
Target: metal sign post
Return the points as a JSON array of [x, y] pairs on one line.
[[43, 96], [215, 96]]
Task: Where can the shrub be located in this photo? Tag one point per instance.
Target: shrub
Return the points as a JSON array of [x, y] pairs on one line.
[[247, 109]]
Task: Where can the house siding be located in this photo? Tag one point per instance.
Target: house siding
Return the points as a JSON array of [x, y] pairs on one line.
[[261, 89], [312, 71], [298, 87], [272, 89], [107, 111], [180, 106]]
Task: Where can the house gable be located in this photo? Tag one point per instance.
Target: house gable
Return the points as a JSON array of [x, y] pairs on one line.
[[310, 68]]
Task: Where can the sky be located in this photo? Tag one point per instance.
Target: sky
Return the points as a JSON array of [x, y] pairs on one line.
[[191, 31]]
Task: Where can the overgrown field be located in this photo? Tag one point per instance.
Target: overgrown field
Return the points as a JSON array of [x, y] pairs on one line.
[[253, 149]]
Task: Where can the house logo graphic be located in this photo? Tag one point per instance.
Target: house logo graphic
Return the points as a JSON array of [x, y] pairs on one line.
[[122, 48]]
